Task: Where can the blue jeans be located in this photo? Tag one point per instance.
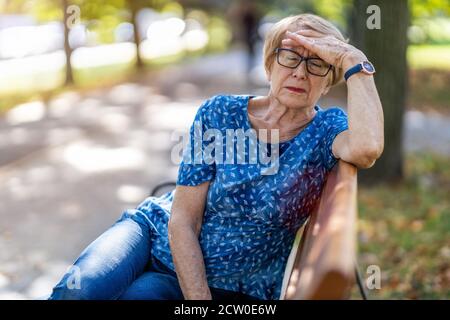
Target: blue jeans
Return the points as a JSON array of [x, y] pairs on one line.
[[118, 265]]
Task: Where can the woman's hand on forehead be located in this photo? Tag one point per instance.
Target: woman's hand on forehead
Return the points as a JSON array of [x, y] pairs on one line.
[[299, 49], [328, 48]]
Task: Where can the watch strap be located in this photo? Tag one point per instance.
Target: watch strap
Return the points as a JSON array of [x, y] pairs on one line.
[[355, 69]]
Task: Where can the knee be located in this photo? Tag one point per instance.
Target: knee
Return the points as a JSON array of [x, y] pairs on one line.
[[71, 288], [63, 292]]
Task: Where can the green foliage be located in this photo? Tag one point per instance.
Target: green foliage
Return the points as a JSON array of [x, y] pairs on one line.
[[95, 9], [430, 31], [219, 34], [428, 8], [48, 10], [334, 11], [404, 229], [174, 8], [429, 56]]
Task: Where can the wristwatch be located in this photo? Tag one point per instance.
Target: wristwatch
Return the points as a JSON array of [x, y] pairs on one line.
[[364, 67]]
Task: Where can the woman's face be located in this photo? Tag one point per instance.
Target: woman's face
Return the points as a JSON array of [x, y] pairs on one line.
[[296, 88]]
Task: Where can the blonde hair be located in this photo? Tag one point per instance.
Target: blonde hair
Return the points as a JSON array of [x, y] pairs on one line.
[[294, 23]]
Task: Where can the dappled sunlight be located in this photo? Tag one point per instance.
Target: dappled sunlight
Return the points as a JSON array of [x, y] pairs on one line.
[[129, 93], [160, 30], [426, 131], [15, 136], [40, 175], [89, 158], [152, 50], [42, 72], [166, 37], [4, 281], [154, 100], [87, 105], [28, 63], [36, 275], [42, 286], [173, 115], [17, 189], [61, 105], [34, 40], [26, 112], [186, 91], [57, 136], [195, 39], [24, 187], [131, 193], [90, 109], [115, 122], [11, 295], [107, 54], [71, 210], [158, 141]]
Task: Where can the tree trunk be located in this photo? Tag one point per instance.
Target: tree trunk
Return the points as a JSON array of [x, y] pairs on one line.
[[67, 49], [356, 21], [386, 49], [137, 39]]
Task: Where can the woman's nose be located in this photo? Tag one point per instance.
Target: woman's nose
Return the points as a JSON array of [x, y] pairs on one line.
[[300, 71]]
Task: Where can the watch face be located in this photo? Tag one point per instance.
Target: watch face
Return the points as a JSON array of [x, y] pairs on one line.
[[368, 67]]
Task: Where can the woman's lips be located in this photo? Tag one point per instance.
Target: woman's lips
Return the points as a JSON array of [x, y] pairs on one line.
[[296, 90]]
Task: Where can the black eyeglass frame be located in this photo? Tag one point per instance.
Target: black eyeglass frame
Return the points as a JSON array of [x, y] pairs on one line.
[[302, 58]]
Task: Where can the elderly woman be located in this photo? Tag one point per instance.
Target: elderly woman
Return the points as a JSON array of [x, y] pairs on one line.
[[227, 229]]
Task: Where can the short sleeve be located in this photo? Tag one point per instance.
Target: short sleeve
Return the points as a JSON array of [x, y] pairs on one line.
[[335, 121], [194, 168]]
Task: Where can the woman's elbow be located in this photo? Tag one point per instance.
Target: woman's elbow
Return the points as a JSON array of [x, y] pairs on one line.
[[365, 158], [365, 163]]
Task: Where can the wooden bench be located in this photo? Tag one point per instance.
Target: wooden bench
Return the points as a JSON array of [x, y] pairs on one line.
[[322, 263]]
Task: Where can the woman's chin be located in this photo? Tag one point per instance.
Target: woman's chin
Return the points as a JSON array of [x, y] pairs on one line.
[[293, 100]]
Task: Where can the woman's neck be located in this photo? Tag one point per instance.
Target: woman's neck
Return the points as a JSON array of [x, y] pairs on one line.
[[267, 112]]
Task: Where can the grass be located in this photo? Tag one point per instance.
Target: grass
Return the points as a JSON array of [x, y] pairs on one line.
[[85, 79], [43, 85], [429, 78], [405, 230], [429, 56], [429, 90]]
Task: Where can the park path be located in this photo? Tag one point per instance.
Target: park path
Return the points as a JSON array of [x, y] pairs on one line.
[[71, 165]]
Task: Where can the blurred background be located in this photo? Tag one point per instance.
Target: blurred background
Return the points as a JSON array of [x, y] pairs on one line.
[[93, 92]]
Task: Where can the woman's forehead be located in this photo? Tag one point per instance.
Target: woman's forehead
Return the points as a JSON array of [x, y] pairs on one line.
[[300, 50]]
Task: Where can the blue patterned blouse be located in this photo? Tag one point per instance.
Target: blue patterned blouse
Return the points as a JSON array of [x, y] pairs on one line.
[[251, 217]]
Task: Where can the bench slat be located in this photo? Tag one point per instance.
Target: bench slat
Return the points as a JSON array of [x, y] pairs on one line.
[[324, 260]]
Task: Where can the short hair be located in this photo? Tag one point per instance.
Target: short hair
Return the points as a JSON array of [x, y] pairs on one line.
[[304, 21]]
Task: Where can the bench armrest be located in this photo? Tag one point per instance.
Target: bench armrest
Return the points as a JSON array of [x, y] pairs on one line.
[[323, 267]]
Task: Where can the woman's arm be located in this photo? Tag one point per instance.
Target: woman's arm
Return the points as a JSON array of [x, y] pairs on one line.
[[184, 228], [363, 143]]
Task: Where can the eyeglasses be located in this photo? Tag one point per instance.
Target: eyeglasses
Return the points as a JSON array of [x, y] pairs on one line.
[[290, 59]]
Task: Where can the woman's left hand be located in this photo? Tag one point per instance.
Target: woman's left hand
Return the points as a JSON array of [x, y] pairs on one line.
[[333, 51]]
